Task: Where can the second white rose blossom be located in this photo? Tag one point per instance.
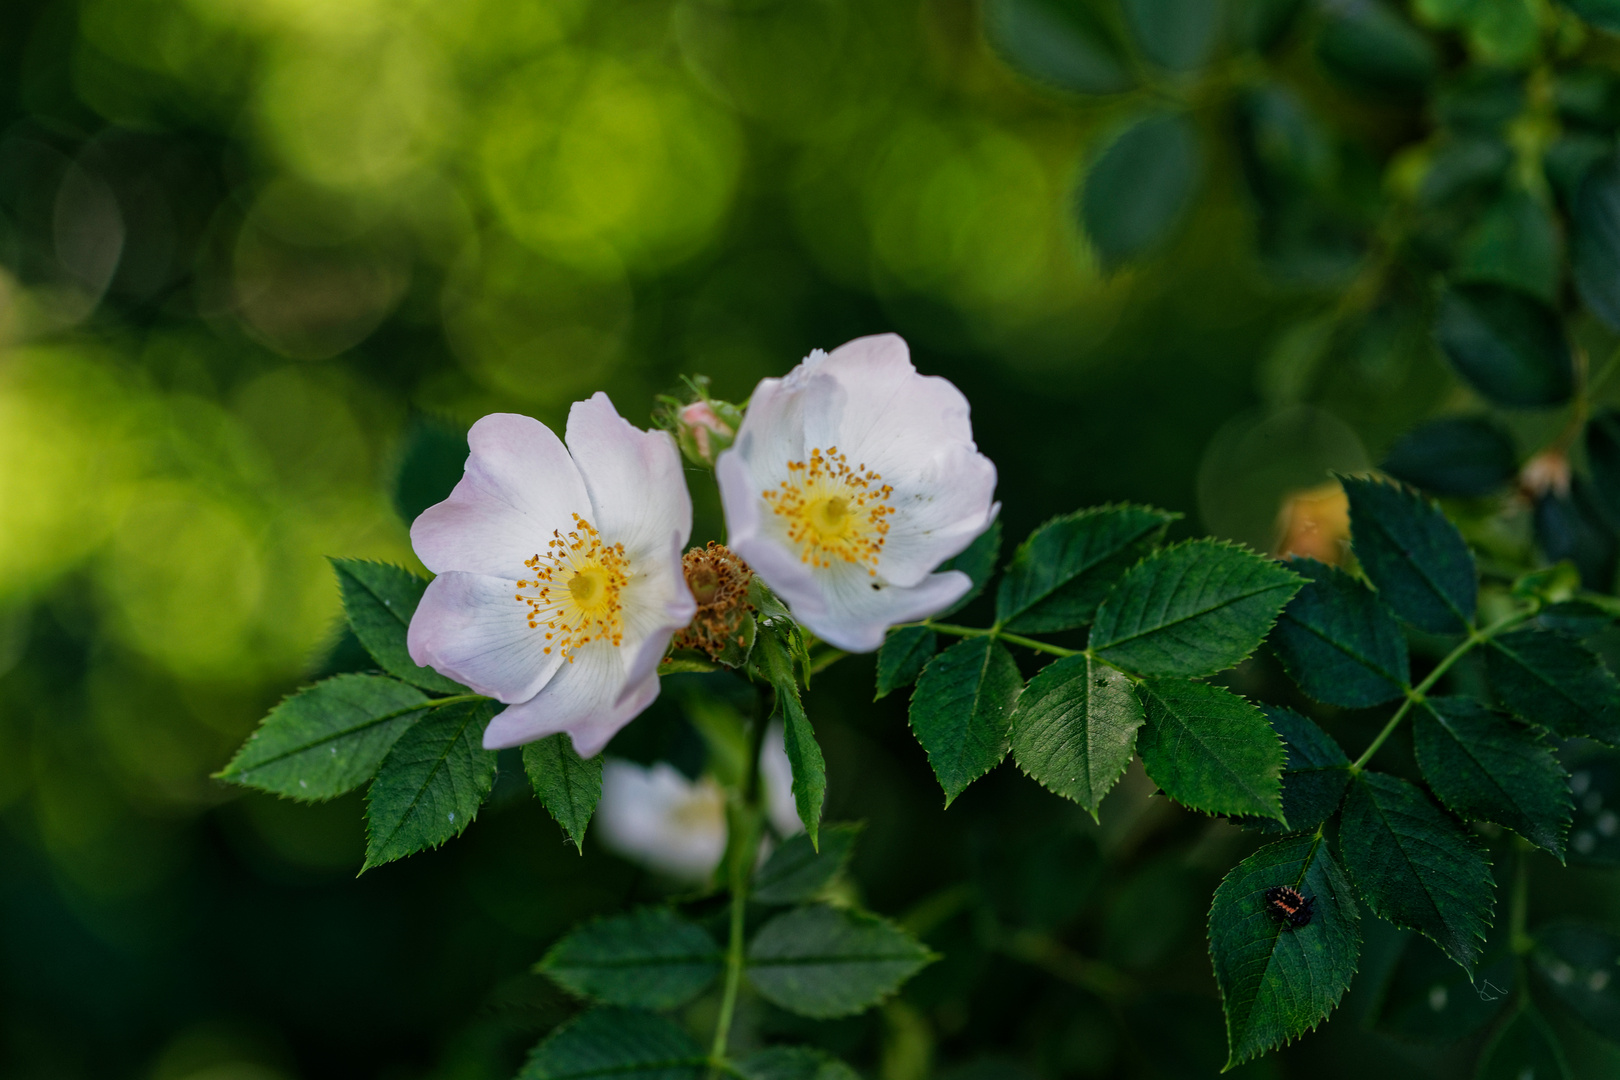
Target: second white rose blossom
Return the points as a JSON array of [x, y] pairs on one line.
[[850, 481], [559, 573]]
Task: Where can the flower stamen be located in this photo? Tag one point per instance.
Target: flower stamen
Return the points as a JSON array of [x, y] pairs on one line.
[[834, 511], [578, 579]]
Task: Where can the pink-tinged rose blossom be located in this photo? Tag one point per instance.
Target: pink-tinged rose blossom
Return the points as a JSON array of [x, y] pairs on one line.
[[850, 481], [559, 573]]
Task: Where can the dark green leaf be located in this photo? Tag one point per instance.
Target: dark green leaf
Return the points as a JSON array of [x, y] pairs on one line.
[[978, 562], [1525, 1049], [1580, 966], [1508, 344], [1139, 189], [1277, 981], [1338, 641], [567, 785], [1594, 838], [1416, 866], [804, 754], [649, 959], [431, 783], [1176, 34], [328, 738], [1551, 679], [1573, 618], [1261, 24], [1484, 767], [433, 459], [961, 710], [1456, 455], [1515, 244], [1209, 749], [1371, 47], [794, 1063], [1414, 557], [1193, 609], [1315, 773], [1603, 460], [903, 656], [615, 1042], [1600, 13], [379, 600], [1057, 43], [824, 962], [1427, 998], [1074, 729], [1595, 239], [797, 871], [1061, 573], [1569, 526]]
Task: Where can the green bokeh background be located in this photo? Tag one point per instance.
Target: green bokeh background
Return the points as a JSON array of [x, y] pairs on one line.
[[251, 249]]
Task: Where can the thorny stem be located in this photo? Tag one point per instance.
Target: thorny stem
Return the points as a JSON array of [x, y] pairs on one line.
[[743, 820], [1414, 695]]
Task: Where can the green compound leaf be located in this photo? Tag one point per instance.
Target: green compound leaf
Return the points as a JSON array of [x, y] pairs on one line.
[[799, 738], [1580, 966], [1175, 34], [1525, 1048], [615, 1042], [649, 959], [1057, 43], [567, 785], [328, 738], [431, 783], [1416, 866], [793, 1063], [1137, 193], [1455, 455], [1314, 774], [978, 562], [903, 656], [961, 710], [824, 962], [1192, 609], [1209, 749], [1415, 558], [1278, 982], [1484, 767], [1595, 217], [379, 601], [1061, 573], [1074, 729], [1429, 999], [797, 871], [1551, 679], [1508, 344], [1339, 642]]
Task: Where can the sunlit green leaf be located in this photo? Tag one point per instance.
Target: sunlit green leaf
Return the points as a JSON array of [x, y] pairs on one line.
[[650, 959], [1061, 573], [824, 962], [1209, 749], [962, 708], [1580, 966], [1524, 1049], [379, 601], [1508, 344], [1414, 557], [567, 785], [1338, 641], [1549, 678], [1140, 188], [903, 656], [1074, 729], [431, 784], [797, 871], [616, 1042]]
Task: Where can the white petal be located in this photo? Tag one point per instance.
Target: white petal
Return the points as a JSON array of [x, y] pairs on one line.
[[473, 628], [519, 486], [748, 534], [857, 609], [658, 817], [634, 478], [588, 698]]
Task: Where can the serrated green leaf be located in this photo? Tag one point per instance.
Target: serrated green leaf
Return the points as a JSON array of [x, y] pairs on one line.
[[328, 738], [616, 1042], [1524, 1048], [962, 708], [978, 562], [1209, 749], [793, 1063], [1508, 344], [1484, 767], [1415, 866], [1315, 773], [1580, 966], [1455, 455], [797, 871], [1595, 230], [824, 962], [776, 659], [1594, 779], [431, 784], [1138, 191], [1338, 641], [1414, 557], [1279, 981], [1192, 609], [649, 959], [1060, 574], [903, 656], [567, 785], [379, 601], [1056, 43], [1429, 999], [1176, 34], [1074, 729], [1549, 678]]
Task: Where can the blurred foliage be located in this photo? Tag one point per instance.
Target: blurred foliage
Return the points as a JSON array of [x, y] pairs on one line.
[[256, 254]]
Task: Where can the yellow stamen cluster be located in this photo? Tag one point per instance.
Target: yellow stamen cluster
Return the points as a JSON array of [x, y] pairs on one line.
[[578, 579], [834, 511]]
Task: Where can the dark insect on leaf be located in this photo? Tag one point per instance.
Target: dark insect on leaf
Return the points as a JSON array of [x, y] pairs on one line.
[[1508, 344], [1456, 455], [1288, 905], [1414, 557], [1338, 641]]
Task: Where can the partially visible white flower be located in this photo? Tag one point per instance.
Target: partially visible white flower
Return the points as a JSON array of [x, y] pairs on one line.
[[655, 816], [850, 481], [559, 573]]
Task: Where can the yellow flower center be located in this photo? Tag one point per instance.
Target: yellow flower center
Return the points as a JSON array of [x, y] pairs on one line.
[[576, 584], [834, 511]]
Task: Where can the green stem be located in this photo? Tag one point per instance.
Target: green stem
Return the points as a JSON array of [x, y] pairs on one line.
[[1055, 958], [744, 822], [1001, 635], [1414, 695]]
